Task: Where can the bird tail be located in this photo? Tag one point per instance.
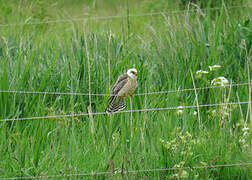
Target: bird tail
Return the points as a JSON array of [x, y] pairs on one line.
[[116, 104]]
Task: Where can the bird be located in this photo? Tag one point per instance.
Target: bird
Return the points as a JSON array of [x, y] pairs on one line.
[[124, 86]]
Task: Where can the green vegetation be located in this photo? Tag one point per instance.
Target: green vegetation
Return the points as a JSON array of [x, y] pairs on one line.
[[168, 50]]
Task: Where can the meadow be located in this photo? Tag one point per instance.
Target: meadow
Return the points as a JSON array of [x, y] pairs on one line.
[[204, 128]]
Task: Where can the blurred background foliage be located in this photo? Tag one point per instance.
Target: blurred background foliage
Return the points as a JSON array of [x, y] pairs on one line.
[[52, 9]]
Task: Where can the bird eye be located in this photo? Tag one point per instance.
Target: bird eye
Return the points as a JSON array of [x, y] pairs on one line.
[[133, 72]]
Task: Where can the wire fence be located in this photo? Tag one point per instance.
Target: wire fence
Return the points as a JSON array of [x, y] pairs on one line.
[[137, 94], [126, 111], [121, 16], [127, 172]]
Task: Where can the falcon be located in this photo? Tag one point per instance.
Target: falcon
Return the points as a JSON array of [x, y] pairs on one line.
[[125, 85]]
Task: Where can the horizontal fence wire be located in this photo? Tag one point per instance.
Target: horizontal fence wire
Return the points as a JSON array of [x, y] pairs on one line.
[[51, 93], [121, 16], [127, 111], [125, 172], [138, 94]]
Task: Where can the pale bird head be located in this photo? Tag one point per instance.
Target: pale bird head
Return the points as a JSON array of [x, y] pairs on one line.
[[132, 73]]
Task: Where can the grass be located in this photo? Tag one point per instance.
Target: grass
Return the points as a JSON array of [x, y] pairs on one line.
[[164, 49]]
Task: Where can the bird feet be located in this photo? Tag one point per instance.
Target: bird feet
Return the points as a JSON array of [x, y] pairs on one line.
[[131, 95]]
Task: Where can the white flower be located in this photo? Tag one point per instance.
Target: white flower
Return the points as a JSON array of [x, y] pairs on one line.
[[245, 133], [245, 146], [242, 141], [214, 67], [207, 44], [222, 81], [180, 110], [184, 174], [176, 166], [201, 72], [195, 113], [168, 145], [245, 128]]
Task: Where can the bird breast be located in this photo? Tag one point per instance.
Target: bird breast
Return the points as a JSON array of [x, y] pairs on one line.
[[129, 87]]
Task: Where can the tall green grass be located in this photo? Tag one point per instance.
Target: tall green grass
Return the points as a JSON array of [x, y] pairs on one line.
[[165, 50]]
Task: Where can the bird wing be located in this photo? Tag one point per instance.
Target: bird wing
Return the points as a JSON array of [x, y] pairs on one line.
[[121, 81]]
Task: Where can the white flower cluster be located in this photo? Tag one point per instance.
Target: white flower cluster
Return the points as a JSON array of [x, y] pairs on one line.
[[182, 144], [214, 67], [245, 135], [220, 81], [200, 73], [179, 110]]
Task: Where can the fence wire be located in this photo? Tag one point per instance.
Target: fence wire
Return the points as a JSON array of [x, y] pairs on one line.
[[127, 111], [126, 172], [137, 94], [120, 16]]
